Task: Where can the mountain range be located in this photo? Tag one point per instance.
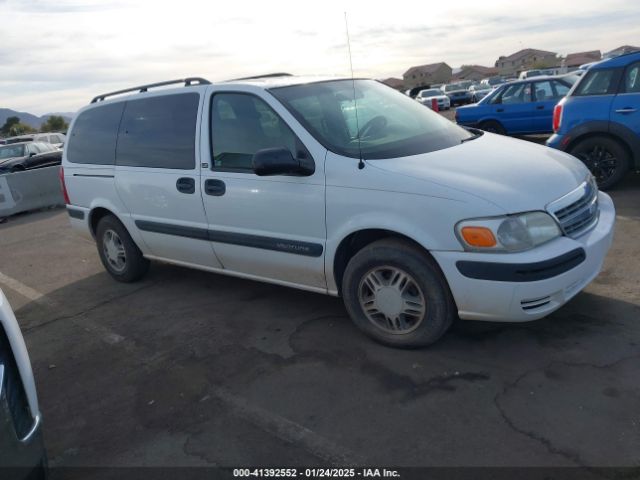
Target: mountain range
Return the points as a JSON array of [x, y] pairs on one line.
[[31, 119]]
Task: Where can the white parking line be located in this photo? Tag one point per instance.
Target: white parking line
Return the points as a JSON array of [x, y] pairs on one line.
[[24, 290], [287, 430], [622, 217]]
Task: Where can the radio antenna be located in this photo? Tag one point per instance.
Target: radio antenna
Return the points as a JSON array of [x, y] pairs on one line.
[[355, 104]]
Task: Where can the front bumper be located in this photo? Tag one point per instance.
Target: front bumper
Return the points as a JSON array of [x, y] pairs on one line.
[[520, 299]]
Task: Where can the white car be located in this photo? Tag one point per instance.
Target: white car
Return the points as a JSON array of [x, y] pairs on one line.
[[426, 98], [21, 445], [412, 219]]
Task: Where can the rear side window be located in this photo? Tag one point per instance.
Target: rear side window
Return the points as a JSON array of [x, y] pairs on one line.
[[598, 82], [159, 132], [93, 137], [632, 79]]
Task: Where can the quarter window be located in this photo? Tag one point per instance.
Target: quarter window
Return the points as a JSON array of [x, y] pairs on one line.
[[241, 125], [632, 79], [598, 82], [159, 132], [94, 134]]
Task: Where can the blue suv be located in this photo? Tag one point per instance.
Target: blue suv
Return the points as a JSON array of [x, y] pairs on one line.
[[599, 120], [520, 107]]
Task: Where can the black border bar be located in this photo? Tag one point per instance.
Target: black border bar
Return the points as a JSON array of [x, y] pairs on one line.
[[522, 272]]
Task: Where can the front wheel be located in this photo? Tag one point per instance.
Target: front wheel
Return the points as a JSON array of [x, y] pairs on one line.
[[396, 294], [118, 252], [605, 158]]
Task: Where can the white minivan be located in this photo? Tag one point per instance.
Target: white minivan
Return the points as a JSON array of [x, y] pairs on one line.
[[337, 186]]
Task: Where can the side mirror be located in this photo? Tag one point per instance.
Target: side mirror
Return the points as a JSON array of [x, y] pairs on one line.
[[32, 154], [277, 161]]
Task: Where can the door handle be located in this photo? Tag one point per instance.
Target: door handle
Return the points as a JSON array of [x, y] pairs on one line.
[[215, 188], [500, 110], [186, 185], [540, 107], [626, 110]]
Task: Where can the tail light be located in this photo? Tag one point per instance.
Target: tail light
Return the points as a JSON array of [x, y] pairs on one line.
[[63, 185], [557, 117]]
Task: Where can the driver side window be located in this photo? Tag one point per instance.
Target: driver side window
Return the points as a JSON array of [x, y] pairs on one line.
[[242, 124]]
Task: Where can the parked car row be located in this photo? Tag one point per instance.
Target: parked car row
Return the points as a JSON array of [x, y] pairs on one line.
[[17, 157], [55, 139], [594, 114]]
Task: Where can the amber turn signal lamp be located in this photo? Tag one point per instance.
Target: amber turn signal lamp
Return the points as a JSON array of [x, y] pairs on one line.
[[478, 237]]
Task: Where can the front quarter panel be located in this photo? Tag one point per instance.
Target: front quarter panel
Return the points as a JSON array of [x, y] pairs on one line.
[[372, 198]]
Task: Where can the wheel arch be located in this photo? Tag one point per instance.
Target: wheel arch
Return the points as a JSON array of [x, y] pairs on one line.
[[359, 239], [95, 215], [613, 130]]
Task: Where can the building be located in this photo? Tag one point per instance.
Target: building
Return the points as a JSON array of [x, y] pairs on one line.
[[574, 60], [475, 73], [620, 51], [392, 82], [525, 59], [427, 75]]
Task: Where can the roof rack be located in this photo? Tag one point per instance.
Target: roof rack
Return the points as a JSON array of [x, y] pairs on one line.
[[143, 88], [256, 77]]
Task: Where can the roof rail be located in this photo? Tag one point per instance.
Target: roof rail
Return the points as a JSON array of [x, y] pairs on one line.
[[255, 77], [143, 88]]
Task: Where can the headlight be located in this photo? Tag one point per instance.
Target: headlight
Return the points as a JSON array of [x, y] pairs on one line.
[[512, 233]]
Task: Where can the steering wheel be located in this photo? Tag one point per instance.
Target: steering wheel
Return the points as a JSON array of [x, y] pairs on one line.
[[373, 126]]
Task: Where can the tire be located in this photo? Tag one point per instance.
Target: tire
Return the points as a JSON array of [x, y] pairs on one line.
[[118, 252], [423, 284], [493, 126], [605, 158]]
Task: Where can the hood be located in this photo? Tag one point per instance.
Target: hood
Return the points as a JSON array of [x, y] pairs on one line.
[[515, 175]]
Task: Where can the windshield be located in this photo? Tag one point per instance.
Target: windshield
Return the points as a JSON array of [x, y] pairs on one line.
[[430, 93], [390, 124], [10, 151], [453, 86]]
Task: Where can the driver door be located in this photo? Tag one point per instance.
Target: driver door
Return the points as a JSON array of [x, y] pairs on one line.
[[266, 227], [513, 108]]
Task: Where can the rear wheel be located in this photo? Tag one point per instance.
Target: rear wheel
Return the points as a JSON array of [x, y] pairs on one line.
[[118, 252], [396, 294], [605, 158], [493, 126]]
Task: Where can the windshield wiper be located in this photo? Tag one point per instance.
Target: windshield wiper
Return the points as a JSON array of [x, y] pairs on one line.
[[476, 134]]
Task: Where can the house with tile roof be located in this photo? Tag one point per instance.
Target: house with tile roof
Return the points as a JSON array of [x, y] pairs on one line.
[[526, 59], [426, 75]]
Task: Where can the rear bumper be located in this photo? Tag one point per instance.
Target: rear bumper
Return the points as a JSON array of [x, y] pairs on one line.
[[79, 219], [526, 286]]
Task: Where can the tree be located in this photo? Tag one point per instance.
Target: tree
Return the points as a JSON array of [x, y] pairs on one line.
[[11, 121], [20, 129], [55, 123]]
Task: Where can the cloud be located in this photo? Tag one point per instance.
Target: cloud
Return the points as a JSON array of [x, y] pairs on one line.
[[56, 55]]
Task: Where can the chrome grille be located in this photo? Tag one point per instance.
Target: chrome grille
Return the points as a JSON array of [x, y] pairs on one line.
[[578, 211]]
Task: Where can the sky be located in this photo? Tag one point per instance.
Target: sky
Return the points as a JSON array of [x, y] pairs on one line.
[[55, 55]]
